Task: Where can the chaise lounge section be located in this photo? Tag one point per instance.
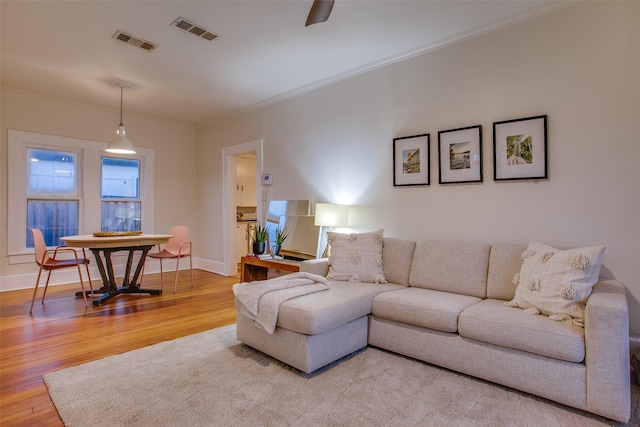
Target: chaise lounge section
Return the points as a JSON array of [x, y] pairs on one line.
[[447, 303], [317, 329]]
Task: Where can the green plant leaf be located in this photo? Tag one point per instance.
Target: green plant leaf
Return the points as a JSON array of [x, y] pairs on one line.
[[261, 234], [281, 235]]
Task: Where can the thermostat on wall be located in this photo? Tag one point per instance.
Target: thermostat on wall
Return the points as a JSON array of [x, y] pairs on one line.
[[266, 179]]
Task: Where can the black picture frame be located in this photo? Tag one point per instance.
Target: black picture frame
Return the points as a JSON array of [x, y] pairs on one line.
[[411, 160], [520, 149], [460, 155]]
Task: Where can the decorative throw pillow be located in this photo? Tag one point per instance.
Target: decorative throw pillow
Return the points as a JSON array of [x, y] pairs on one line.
[[356, 257], [557, 282]]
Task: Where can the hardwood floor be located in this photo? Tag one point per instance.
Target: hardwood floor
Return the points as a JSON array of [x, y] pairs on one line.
[[62, 333]]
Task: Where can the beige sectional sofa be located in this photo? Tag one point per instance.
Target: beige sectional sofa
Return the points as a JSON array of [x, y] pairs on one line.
[[444, 304]]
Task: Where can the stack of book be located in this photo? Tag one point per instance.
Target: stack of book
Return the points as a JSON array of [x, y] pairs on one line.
[[264, 256]]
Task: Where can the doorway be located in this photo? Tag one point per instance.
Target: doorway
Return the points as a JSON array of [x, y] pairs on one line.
[[246, 204], [230, 197]]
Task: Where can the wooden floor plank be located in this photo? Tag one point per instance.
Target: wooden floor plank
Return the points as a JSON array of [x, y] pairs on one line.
[[62, 333]]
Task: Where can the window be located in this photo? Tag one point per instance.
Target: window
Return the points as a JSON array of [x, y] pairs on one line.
[[52, 172], [276, 209], [120, 194], [67, 186], [55, 218], [52, 194]]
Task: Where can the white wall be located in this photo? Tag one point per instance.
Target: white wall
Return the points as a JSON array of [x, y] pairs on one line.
[[175, 152], [579, 65]]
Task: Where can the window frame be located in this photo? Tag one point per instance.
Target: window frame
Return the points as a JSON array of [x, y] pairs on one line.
[[30, 195], [140, 185], [90, 154]]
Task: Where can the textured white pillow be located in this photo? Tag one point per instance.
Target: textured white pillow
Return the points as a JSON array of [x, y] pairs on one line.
[[557, 282], [356, 257]]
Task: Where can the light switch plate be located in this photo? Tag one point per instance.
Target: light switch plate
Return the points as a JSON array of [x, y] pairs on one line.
[[266, 179]]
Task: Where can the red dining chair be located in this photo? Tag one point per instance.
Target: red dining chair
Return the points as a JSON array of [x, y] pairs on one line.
[[50, 263], [179, 246]]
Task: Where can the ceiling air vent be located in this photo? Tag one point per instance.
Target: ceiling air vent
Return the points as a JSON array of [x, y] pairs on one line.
[[129, 39], [192, 28]]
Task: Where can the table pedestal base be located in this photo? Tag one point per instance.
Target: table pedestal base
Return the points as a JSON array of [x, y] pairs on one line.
[[105, 296], [109, 287]]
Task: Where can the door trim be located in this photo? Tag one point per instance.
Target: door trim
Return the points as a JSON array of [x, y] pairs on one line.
[[229, 197]]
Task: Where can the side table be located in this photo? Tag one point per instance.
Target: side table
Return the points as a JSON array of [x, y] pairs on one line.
[[252, 269]]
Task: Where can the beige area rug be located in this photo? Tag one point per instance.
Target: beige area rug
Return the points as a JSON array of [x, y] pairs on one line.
[[209, 379]]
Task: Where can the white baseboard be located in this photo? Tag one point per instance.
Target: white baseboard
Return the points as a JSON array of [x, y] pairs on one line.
[[66, 276], [211, 266]]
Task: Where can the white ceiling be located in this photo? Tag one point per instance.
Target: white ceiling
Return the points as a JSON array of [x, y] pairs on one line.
[[65, 49]]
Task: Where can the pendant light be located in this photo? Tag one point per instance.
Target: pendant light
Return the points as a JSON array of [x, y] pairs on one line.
[[120, 144]]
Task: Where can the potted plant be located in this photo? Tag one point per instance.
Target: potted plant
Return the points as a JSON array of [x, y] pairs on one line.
[[281, 236], [259, 238]]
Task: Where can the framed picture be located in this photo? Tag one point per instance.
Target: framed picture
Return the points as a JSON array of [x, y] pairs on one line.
[[460, 155], [520, 149], [411, 160]]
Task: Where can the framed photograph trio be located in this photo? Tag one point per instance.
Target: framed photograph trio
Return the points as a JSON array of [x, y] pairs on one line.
[[519, 153], [460, 155], [411, 160]]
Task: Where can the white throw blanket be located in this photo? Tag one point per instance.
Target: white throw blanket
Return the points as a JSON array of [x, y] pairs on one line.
[[260, 300]]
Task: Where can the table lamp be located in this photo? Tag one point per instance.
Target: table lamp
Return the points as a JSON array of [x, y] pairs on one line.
[[331, 215]]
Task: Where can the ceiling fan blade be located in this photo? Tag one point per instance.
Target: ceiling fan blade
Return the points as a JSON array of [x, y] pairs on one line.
[[320, 11]]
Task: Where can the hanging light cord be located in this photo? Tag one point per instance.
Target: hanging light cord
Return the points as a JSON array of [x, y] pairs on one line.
[[121, 106]]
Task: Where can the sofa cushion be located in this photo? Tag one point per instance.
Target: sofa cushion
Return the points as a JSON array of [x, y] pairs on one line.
[[557, 283], [323, 311], [356, 257], [457, 267], [492, 322], [396, 259], [504, 263], [422, 307], [318, 266]]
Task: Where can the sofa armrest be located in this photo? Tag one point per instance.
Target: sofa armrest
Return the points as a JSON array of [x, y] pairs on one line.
[[607, 351], [315, 266]]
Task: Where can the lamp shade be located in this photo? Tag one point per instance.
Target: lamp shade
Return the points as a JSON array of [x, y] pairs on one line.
[[120, 144], [330, 215]]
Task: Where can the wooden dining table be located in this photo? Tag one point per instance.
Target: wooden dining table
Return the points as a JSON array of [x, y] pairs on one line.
[[102, 248]]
